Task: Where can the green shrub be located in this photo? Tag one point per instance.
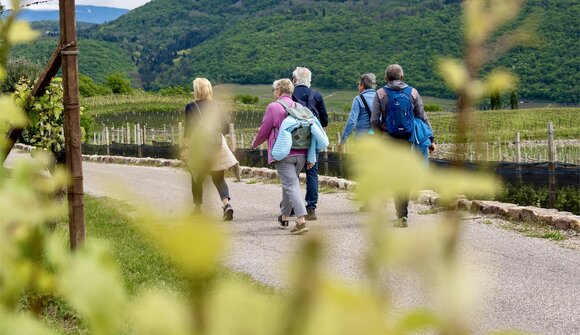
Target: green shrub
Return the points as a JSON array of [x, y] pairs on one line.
[[433, 108], [247, 99], [119, 83], [88, 88], [175, 90], [18, 69]]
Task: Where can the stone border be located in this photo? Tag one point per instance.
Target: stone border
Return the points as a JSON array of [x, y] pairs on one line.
[[552, 217]]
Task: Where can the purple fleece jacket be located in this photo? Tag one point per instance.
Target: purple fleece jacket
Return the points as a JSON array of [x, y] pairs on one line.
[[270, 127]]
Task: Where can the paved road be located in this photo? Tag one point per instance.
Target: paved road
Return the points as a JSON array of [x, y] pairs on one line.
[[531, 284]]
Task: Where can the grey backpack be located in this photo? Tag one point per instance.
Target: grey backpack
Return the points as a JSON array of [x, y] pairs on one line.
[[300, 136]]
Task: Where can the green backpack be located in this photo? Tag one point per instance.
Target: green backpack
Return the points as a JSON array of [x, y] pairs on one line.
[[300, 136]]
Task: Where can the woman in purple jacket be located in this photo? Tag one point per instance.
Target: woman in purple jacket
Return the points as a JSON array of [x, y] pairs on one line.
[[288, 168]]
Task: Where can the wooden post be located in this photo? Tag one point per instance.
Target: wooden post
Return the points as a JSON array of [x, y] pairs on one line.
[[339, 146], [139, 140], [135, 134], [325, 162], [487, 152], [108, 150], [172, 135], [551, 143], [233, 137], [94, 138], [242, 141], [128, 133], [500, 157], [518, 148], [180, 134], [72, 121]]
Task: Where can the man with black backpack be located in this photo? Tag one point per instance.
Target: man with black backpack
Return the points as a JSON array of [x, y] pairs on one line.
[[395, 110], [303, 94]]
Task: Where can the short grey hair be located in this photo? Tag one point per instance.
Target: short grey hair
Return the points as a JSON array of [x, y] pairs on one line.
[[394, 72], [302, 76], [369, 80], [283, 86]]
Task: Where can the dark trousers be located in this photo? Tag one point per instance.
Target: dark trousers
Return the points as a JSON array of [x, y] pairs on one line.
[[312, 186], [402, 201], [220, 184]]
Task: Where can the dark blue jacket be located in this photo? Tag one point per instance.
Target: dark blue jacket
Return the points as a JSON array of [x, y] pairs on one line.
[[302, 93]]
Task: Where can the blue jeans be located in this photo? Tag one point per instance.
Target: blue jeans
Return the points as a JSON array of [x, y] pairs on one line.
[[312, 186]]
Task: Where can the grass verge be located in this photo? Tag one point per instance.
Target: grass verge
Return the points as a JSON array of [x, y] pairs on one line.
[[142, 265]]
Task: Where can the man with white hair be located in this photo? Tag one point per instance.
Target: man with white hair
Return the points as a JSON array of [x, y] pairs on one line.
[[303, 94]]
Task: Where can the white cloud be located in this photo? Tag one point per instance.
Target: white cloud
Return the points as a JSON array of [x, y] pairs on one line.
[[53, 4]]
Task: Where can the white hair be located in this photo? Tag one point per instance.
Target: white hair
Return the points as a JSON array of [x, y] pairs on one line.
[[302, 76]]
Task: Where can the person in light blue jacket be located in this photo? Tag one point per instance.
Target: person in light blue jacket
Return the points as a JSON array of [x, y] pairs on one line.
[[359, 117]]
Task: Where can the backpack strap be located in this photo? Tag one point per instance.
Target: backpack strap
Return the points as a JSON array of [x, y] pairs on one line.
[[284, 104], [197, 107], [362, 97]]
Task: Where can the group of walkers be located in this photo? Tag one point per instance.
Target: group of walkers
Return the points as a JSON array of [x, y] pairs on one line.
[[294, 125]]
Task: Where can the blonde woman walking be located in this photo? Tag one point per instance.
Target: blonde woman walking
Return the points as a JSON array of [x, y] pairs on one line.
[[206, 151]]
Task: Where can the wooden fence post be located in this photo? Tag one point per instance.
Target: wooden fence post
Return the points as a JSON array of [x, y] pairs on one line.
[[139, 140], [551, 143], [233, 137], [500, 157], [518, 148], [128, 134], [107, 141], [180, 134]]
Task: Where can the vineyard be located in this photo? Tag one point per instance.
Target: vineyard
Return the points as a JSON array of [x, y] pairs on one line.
[[158, 119]]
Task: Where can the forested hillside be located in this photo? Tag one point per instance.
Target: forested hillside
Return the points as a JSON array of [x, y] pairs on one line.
[[97, 59], [173, 41]]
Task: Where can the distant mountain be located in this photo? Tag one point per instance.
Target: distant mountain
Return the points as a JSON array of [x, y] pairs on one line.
[[90, 14]]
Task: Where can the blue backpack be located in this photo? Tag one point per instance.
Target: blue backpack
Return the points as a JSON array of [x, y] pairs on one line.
[[400, 120]]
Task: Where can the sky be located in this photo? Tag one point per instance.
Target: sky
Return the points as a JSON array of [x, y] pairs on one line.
[[53, 4]]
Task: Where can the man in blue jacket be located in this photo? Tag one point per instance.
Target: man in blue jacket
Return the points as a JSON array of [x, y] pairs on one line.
[[303, 94], [379, 115]]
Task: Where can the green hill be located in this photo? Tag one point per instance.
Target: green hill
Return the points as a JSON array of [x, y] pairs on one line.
[[97, 58], [257, 41]]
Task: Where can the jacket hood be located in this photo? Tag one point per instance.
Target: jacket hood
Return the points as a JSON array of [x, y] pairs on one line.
[[396, 85]]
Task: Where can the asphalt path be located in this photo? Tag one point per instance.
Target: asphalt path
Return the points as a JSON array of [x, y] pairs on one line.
[[525, 283]]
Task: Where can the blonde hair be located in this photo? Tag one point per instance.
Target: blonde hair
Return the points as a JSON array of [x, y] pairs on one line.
[[283, 86], [202, 90]]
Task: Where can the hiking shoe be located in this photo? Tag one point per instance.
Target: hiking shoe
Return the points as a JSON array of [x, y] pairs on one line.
[[311, 214], [283, 224], [196, 211], [401, 222], [228, 212], [364, 209], [299, 228]]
